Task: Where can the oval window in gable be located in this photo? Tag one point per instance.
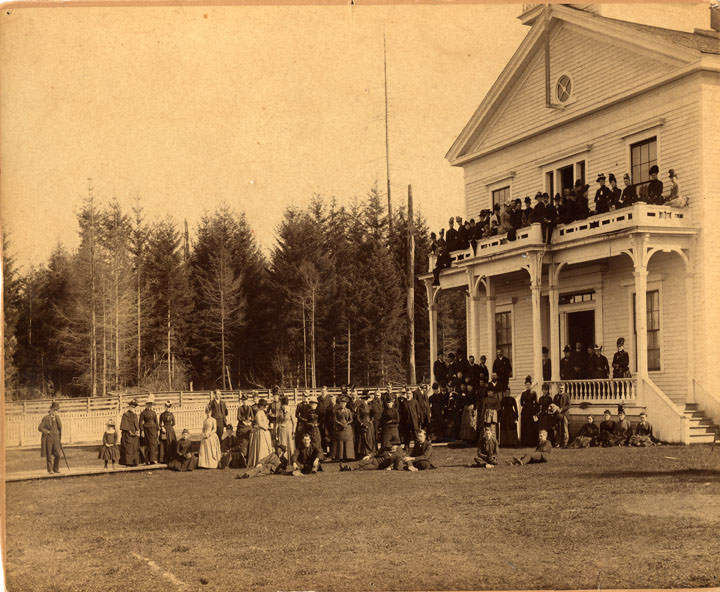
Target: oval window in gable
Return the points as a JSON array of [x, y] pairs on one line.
[[563, 88]]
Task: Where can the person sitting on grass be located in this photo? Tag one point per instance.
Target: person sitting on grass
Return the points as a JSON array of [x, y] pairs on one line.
[[487, 453], [275, 463], [643, 433], [587, 436], [306, 458], [226, 447], [544, 447], [184, 459], [109, 450], [388, 458], [623, 429], [420, 456], [548, 421], [607, 430]]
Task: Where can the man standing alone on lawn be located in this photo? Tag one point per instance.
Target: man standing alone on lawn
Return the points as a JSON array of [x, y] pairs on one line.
[[51, 430]]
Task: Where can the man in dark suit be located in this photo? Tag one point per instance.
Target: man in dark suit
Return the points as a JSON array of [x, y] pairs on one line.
[[567, 372], [546, 364], [51, 429], [440, 369], [503, 368], [306, 458], [473, 372], [219, 411], [484, 373]]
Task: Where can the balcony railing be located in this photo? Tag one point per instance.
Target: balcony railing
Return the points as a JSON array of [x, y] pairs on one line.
[[639, 215], [610, 390]]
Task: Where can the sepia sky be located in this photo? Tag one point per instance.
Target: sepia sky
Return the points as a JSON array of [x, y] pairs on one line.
[[257, 106]]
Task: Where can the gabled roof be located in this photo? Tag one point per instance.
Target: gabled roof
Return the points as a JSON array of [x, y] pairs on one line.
[[679, 46]]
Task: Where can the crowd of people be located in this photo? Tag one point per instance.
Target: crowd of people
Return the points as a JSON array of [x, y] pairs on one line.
[[392, 428], [573, 204]]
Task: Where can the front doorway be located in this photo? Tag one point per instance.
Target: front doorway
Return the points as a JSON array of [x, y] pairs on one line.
[[581, 328]]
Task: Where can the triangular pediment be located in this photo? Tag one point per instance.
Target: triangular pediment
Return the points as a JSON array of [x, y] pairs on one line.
[[601, 65]]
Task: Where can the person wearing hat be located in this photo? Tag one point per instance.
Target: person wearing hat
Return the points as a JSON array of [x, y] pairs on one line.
[[623, 429], [130, 436], [245, 416], [301, 412], [621, 360], [629, 193], [599, 367], [451, 235], [51, 429], [273, 411], [219, 412], [546, 363], [587, 435], [643, 433], [528, 414], [651, 192], [149, 428], [565, 206], [260, 441], [109, 447], [409, 417], [527, 212], [546, 419], [312, 425], [184, 459], [562, 400], [615, 192], [343, 446], [365, 438], [567, 371], [580, 200], [603, 196], [274, 463], [168, 439], [390, 423], [674, 200], [549, 218], [507, 420]]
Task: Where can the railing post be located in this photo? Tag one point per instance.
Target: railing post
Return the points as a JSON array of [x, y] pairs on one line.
[[180, 399]]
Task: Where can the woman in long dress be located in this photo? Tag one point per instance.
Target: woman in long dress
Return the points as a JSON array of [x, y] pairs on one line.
[[260, 440], [508, 420], [209, 456], [528, 415], [286, 427], [343, 447]]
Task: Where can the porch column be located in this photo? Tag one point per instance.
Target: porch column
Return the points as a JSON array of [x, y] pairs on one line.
[[689, 287], [475, 302], [490, 312], [641, 319], [432, 314], [535, 286], [554, 297], [468, 324]]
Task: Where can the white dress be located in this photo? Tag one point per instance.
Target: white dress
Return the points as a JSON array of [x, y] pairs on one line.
[[260, 440], [209, 456]]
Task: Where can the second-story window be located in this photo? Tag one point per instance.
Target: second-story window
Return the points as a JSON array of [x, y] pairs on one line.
[[501, 196], [643, 155]]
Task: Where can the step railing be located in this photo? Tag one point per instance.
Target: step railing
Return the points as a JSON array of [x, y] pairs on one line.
[[607, 390]]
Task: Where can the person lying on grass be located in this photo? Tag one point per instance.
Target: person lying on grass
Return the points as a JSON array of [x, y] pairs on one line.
[[420, 455], [587, 436], [487, 453], [306, 458], [388, 458], [544, 447], [275, 463]]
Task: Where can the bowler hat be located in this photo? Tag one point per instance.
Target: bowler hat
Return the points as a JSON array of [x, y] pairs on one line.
[[528, 379], [654, 170], [600, 177], [168, 403]]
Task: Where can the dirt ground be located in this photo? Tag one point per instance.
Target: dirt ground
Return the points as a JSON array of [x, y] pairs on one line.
[[596, 518]]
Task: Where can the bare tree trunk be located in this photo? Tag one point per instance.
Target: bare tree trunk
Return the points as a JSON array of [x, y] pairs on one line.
[[312, 339], [222, 333], [93, 329], [104, 343], [412, 379], [333, 362], [304, 345], [139, 322], [169, 351], [348, 353], [117, 327]]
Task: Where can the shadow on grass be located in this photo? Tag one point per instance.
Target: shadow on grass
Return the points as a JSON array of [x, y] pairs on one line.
[[703, 474]]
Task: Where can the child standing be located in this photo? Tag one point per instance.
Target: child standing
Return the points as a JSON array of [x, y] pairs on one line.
[[109, 450]]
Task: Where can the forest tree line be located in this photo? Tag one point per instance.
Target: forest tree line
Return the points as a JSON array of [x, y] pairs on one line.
[[144, 304]]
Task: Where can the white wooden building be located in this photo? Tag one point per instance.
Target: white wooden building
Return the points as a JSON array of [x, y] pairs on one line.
[[622, 96]]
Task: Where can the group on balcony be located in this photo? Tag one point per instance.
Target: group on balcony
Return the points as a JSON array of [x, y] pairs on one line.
[[572, 205]]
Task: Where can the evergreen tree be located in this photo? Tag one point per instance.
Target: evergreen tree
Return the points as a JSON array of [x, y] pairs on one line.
[[11, 312]]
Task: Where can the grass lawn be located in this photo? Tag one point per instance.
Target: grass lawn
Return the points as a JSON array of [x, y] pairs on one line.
[[596, 518]]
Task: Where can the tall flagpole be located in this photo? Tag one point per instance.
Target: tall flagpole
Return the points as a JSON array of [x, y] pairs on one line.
[[387, 138]]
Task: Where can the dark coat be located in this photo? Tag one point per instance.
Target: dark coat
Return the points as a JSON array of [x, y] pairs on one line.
[[503, 368], [51, 429]]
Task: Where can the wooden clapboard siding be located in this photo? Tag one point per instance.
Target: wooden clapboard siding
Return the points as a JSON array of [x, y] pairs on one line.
[[677, 105], [599, 69], [707, 265]]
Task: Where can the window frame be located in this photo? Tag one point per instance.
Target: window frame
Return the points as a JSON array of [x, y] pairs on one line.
[[656, 131], [571, 98], [651, 287], [500, 184], [506, 309], [555, 167]]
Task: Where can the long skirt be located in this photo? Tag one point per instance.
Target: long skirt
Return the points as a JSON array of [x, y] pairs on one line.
[[468, 424], [508, 432], [183, 464], [343, 447], [209, 455], [243, 440], [129, 449], [167, 449], [285, 437], [366, 439], [260, 446], [528, 429], [390, 435]]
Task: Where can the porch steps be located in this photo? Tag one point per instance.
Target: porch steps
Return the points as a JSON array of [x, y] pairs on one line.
[[702, 428]]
